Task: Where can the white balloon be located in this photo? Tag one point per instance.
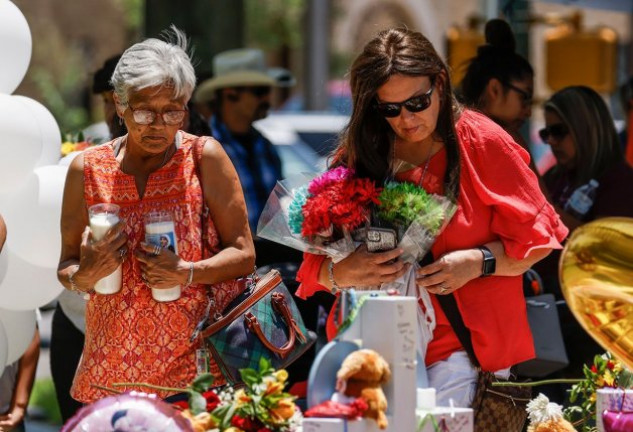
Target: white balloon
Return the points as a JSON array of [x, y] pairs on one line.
[[15, 46], [20, 328], [4, 348], [33, 217], [20, 143], [4, 262], [50, 134], [27, 286]]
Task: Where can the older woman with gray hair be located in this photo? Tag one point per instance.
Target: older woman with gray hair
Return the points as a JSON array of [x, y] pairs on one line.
[[130, 336]]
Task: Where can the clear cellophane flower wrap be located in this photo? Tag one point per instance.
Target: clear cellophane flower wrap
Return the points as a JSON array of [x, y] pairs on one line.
[[418, 217], [318, 214]]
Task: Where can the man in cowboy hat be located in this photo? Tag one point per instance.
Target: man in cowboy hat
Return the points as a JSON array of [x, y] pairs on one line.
[[238, 95]]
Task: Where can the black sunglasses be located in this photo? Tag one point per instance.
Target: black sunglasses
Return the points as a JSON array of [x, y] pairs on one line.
[[526, 98], [258, 91], [414, 104], [557, 131]]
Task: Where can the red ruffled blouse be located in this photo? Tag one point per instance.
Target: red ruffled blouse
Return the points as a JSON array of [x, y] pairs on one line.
[[499, 199]]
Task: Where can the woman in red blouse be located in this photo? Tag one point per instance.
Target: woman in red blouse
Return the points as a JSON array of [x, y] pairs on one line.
[[404, 110]]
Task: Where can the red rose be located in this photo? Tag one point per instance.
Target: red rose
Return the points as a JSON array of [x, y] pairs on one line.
[[245, 423], [212, 400], [594, 369]]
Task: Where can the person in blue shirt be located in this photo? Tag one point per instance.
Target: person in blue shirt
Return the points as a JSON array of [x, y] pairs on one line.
[[240, 94]]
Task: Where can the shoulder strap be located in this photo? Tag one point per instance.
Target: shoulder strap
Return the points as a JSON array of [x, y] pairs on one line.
[[449, 306]]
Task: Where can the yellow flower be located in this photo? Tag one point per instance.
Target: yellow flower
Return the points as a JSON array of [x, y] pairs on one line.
[[67, 147], [592, 398], [617, 366], [609, 378], [273, 387], [281, 375], [201, 422], [283, 411], [233, 429], [241, 397]]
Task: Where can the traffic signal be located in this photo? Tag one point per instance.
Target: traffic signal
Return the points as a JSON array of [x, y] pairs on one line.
[[576, 56]]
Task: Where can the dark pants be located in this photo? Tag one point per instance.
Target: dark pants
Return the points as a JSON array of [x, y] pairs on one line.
[[67, 344]]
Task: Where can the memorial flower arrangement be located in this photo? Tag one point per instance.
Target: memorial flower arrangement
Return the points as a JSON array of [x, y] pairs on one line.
[[329, 213], [261, 405], [605, 372]]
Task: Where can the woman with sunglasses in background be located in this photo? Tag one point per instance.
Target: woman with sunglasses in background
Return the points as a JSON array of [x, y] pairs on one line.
[[580, 131], [130, 337], [499, 82], [404, 115]]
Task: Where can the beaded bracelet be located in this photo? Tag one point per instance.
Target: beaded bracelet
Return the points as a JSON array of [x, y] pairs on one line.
[[330, 273], [73, 285]]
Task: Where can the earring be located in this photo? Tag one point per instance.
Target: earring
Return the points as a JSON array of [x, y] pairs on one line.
[[120, 121]]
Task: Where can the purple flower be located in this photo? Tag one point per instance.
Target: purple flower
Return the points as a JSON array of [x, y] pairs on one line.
[[329, 177]]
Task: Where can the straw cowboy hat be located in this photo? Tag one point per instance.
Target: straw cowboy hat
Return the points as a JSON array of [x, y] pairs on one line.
[[241, 67]]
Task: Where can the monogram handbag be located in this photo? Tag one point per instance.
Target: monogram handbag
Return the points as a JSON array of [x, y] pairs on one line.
[[262, 322], [499, 408], [496, 408]]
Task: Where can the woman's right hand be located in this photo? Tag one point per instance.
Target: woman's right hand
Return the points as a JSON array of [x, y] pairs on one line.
[[367, 269], [100, 258]]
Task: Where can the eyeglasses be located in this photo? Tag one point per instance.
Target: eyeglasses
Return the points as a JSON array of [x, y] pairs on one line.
[[526, 98], [557, 131], [146, 117], [414, 104]]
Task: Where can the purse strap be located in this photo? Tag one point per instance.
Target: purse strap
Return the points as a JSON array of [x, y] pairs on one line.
[[451, 310], [197, 156]]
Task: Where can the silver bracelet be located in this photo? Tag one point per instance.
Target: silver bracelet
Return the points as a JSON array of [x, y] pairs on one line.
[[190, 278], [330, 273]]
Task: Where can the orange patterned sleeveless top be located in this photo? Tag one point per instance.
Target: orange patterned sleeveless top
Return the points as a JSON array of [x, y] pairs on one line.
[[131, 338]]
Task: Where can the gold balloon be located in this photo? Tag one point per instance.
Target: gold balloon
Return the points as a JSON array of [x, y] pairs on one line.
[[596, 274]]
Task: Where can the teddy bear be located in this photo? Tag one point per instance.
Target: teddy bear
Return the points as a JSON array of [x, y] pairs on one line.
[[361, 375], [546, 416]]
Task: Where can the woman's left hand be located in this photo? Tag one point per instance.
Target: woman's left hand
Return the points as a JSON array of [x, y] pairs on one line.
[[451, 271], [164, 270]]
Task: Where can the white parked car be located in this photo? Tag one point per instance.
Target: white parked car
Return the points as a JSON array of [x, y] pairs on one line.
[[304, 140]]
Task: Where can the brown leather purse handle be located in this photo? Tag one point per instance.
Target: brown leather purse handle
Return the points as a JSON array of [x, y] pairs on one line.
[[280, 306]]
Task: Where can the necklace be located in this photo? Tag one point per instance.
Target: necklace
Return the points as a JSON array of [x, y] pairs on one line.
[[426, 163]]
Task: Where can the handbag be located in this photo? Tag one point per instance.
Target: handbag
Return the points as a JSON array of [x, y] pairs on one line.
[[549, 347], [262, 322], [496, 408]]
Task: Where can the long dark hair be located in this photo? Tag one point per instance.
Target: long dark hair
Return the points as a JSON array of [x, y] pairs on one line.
[[367, 143], [591, 127], [496, 59]]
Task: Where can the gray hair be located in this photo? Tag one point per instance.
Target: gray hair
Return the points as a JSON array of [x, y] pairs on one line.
[[155, 63]]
